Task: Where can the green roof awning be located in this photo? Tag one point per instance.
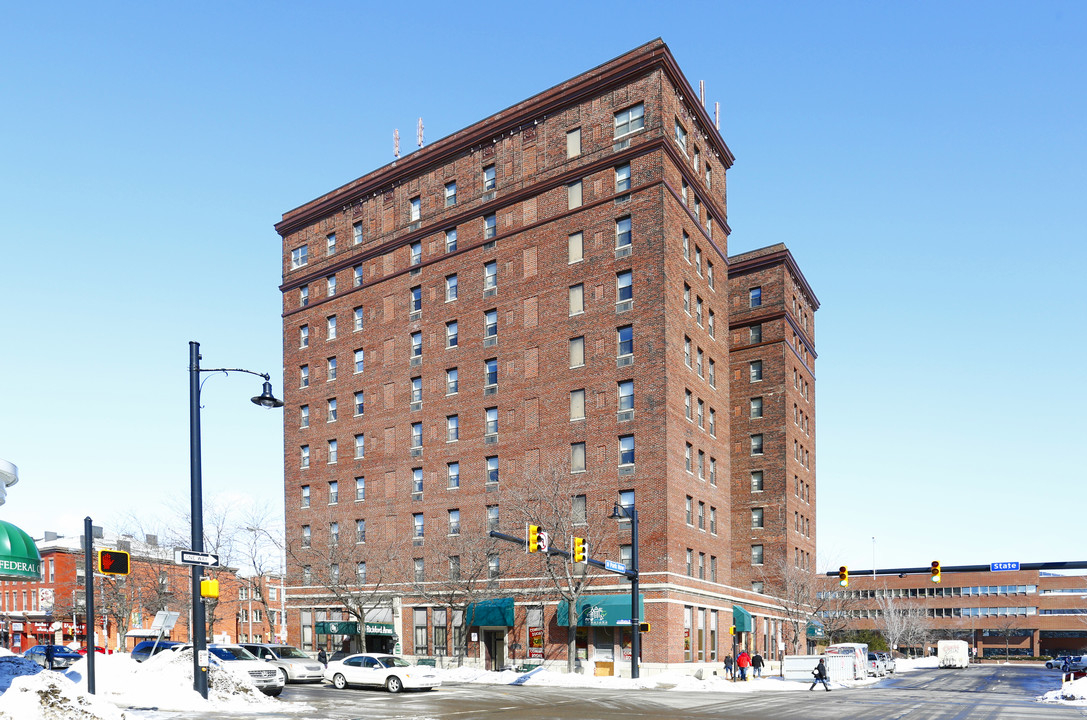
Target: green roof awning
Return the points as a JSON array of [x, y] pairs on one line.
[[742, 619], [337, 627], [496, 613], [600, 610], [19, 556]]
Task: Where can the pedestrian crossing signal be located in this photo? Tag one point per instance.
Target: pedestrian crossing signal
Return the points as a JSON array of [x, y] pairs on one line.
[[113, 562]]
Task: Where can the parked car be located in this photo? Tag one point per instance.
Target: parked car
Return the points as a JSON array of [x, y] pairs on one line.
[[295, 665], [147, 648], [1058, 662], [97, 648], [62, 656], [378, 669], [876, 666], [888, 662], [239, 661], [1076, 663]]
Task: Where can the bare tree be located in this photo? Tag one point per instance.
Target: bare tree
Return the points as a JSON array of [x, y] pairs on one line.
[[833, 605], [898, 620], [1007, 627], [260, 556], [795, 590]]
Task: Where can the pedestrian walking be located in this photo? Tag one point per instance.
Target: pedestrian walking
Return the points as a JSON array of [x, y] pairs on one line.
[[322, 657], [743, 662], [728, 666], [50, 654], [756, 665], [821, 676]]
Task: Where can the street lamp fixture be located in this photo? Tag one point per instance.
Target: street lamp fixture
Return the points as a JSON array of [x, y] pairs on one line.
[[620, 513], [267, 400]]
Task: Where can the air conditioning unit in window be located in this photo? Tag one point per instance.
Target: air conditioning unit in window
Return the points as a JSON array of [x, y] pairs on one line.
[[490, 292], [416, 361], [490, 389], [490, 439], [415, 271], [416, 406], [417, 452], [620, 145], [624, 306], [417, 496], [624, 198], [417, 542], [624, 415], [488, 196], [490, 342], [625, 470], [488, 245], [415, 225], [624, 361], [415, 315], [622, 252]]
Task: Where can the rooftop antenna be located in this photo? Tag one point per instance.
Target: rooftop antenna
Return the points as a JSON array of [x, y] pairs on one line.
[[702, 92], [396, 143], [717, 115], [419, 133]]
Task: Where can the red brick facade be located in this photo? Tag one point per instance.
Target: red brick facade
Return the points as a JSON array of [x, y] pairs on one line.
[[622, 156]]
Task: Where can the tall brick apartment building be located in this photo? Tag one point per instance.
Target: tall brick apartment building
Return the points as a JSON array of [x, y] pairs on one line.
[[543, 298]]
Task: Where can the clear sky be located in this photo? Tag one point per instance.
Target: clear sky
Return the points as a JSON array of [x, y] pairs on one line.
[[923, 161]]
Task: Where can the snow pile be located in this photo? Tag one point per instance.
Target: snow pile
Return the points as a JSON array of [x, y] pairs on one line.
[[1071, 693], [13, 666], [51, 696], [660, 681]]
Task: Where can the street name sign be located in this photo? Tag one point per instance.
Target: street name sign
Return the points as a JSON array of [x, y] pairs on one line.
[[191, 557], [1003, 566], [615, 568]]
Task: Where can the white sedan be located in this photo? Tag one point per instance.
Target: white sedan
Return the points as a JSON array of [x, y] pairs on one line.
[[394, 673]]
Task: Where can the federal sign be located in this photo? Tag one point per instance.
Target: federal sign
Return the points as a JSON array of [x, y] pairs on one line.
[[1003, 566], [191, 557], [615, 567]]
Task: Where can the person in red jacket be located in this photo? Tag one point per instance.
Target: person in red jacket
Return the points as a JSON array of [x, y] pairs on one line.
[[743, 661]]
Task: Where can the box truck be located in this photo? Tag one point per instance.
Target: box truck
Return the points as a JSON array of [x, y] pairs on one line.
[[953, 653]]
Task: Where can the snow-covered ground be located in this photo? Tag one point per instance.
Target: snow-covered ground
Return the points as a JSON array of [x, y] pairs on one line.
[[127, 690]]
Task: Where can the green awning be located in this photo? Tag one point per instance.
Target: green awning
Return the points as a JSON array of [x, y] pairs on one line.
[[337, 627], [19, 556], [601, 610], [497, 612], [742, 619]]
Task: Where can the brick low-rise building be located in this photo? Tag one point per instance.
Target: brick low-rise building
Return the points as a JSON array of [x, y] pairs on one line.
[[541, 302]]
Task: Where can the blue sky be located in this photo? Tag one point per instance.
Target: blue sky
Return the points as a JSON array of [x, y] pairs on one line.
[[923, 162]]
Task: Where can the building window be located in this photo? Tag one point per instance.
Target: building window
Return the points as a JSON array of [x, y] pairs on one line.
[[360, 489], [709, 275], [490, 324], [624, 287], [577, 404], [305, 456], [755, 333], [489, 182], [360, 572], [453, 473], [577, 352], [713, 521], [359, 319], [756, 554], [698, 362], [452, 385], [629, 120], [491, 420], [330, 285], [698, 310], [690, 562], [416, 299], [573, 143], [626, 395], [330, 244], [360, 446], [305, 496], [577, 457], [417, 482], [573, 195], [626, 450], [492, 517], [754, 296], [710, 326], [451, 193], [307, 536], [416, 436], [622, 178], [575, 248], [687, 351], [687, 300], [303, 296], [690, 510], [490, 226], [356, 275], [579, 514], [687, 396], [701, 414], [681, 137], [756, 444], [360, 361], [331, 411], [756, 517], [299, 257], [450, 240], [333, 533], [356, 231], [303, 373], [303, 336], [416, 344], [713, 422], [451, 334], [360, 402], [713, 471], [756, 481], [490, 275], [756, 407], [625, 340], [701, 573], [490, 372], [330, 325], [493, 568], [698, 260], [360, 531], [577, 299], [331, 373], [622, 232], [450, 287], [755, 368], [417, 525], [688, 450], [452, 428], [454, 522], [304, 412]]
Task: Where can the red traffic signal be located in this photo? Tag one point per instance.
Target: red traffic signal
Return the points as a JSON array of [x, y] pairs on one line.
[[843, 576], [935, 571], [113, 562]]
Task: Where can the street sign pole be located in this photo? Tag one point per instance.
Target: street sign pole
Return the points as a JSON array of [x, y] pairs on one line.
[[88, 589]]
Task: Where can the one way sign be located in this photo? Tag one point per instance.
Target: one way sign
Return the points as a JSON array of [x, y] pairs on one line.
[[191, 557]]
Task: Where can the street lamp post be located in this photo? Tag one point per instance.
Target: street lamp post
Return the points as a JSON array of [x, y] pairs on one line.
[[265, 399], [618, 513]]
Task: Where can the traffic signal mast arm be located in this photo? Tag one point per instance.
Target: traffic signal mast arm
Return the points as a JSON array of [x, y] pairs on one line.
[[927, 569], [553, 551]]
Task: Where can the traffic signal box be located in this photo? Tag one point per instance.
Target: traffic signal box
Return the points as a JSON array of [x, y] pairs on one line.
[[533, 538], [580, 550], [114, 562], [843, 576], [935, 571], [209, 588]]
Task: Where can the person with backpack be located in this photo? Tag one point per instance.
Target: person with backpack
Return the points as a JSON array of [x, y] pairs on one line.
[[821, 676], [756, 665]]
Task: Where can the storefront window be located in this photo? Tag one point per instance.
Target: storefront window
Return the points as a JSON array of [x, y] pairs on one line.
[[419, 615], [440, 633]]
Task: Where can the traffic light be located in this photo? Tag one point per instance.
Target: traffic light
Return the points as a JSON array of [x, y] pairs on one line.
[[579, 550], [533, 538], [209, 588], [731, 629], [935, 571], [843, 576], [113, 562], [643, 627]]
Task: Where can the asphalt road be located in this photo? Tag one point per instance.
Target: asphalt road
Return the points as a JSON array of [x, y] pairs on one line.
[[983, 692]]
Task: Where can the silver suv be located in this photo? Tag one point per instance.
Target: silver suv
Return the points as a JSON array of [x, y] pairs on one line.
[[293, 664]]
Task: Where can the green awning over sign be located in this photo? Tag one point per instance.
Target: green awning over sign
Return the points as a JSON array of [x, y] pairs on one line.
[[742, 619], [495, 613], [600, 610], [19, 556], [337, 627]]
